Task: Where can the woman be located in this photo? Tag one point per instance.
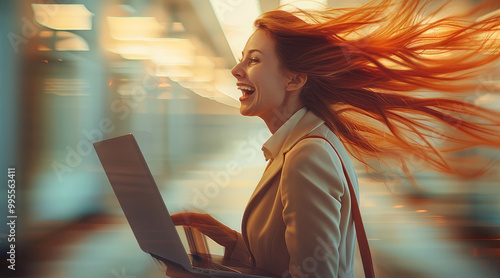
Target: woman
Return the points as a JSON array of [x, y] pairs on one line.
[[357, 91]]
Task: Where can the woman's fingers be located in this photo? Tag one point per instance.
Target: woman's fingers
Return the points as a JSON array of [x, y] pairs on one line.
[[209, 226], [181, 219], [194, 219]]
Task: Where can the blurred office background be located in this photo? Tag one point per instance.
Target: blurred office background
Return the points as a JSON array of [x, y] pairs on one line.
[[78, 71]]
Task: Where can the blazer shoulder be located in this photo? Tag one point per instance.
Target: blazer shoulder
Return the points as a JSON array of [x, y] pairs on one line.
[[312, 163], [309, 148], [318, 144]]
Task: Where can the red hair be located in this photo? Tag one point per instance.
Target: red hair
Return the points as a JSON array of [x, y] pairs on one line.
[[370, 89]]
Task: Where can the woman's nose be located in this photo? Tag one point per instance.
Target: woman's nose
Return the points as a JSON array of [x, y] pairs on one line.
[[236, 71]]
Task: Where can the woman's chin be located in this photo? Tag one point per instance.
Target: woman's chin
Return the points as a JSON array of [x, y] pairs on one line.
[[245, 111]]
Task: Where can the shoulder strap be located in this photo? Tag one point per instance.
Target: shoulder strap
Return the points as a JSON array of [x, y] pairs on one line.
[[364, 248]]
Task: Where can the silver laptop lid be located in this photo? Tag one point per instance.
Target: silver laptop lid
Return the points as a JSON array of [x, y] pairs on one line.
[[140, 198]]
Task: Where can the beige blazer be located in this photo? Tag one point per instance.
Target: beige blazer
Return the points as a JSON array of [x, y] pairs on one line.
[[298, 221]]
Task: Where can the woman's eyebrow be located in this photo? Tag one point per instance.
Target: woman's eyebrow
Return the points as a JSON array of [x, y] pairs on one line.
[[250, 52]]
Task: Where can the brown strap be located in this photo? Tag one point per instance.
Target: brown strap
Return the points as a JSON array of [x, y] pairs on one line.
[[364, 248]]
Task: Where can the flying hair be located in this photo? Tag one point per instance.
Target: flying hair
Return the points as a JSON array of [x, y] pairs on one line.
[[390, 78]]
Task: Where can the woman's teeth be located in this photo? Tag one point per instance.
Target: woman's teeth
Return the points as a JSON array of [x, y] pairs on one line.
[[247, 90]]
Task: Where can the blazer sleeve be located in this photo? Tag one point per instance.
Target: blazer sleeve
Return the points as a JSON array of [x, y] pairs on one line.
[[239, 253], [311, 192]]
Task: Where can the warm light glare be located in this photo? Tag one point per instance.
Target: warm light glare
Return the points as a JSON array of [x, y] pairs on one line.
[[63, 16], [163, 51], [171, 51], [134, 28], [46, 34]]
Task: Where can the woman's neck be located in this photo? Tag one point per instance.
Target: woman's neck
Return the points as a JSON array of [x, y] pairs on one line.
[[278, 117]]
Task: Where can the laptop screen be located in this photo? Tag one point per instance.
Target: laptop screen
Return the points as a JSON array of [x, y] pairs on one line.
[[140, 198]]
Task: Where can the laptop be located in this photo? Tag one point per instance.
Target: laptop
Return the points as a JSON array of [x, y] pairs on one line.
[[147, 214]]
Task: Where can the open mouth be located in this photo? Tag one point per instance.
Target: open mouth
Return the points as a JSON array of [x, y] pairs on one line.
[[247, 90]]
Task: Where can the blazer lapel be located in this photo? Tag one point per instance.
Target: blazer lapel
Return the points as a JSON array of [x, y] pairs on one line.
[[260, 190], [268, 175]]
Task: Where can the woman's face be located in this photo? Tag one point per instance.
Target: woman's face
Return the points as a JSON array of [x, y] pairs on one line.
[[261, 79]]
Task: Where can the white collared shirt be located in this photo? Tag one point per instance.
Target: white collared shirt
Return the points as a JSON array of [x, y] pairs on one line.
[[273, 145]]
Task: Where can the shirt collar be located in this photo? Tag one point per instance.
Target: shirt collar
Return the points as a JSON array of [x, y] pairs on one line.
[[273, 145]]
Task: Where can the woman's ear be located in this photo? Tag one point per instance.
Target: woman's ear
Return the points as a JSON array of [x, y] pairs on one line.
[[296, 81]]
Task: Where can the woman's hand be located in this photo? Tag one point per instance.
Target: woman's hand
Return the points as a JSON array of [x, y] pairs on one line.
[[209, 226]]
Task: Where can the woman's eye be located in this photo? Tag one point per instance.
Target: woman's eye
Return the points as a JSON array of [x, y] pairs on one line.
[[251, 60]]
